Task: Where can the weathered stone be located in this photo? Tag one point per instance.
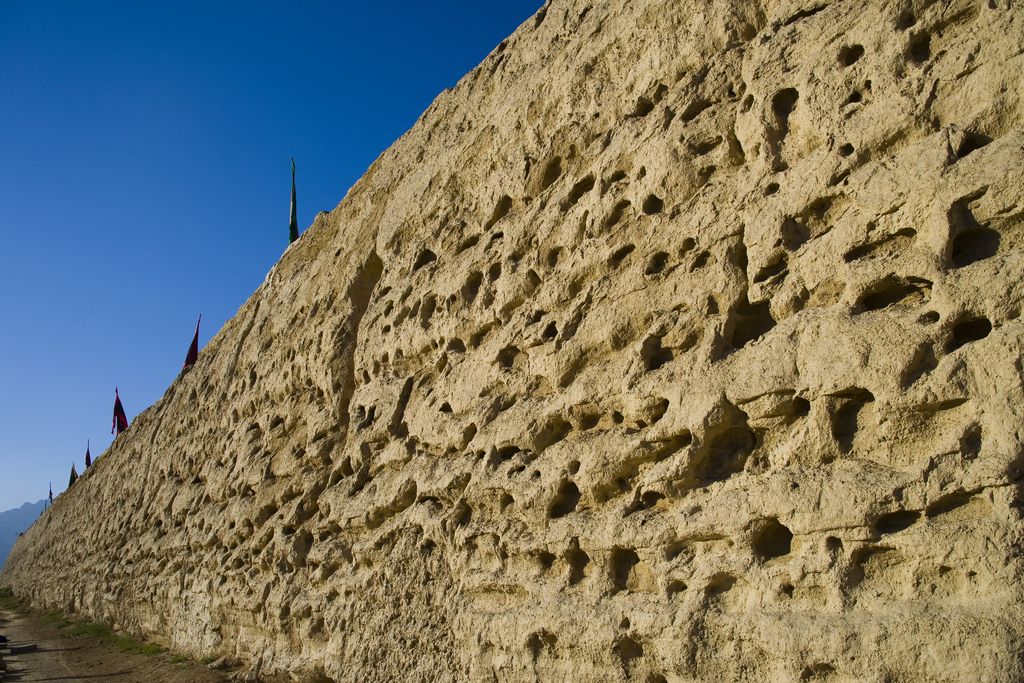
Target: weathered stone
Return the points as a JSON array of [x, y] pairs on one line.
[[680, 341]]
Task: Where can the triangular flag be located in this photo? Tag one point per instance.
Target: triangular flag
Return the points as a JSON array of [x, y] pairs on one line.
[[293, 225], [74, 475], [193, 350], [120, 419], [88, 458]]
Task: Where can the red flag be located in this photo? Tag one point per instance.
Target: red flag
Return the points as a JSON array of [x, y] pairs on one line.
[[120, 419], [193, 351], [88, 458]]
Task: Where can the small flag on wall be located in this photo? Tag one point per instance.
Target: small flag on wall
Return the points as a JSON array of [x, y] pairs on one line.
[[88, 458], [293, 225], [193, 350], [74, 475], [120, 419]]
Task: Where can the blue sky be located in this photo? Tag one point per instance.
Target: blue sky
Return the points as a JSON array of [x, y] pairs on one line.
[[145, 179]]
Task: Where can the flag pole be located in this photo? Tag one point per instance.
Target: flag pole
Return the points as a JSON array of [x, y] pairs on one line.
[[293, 224]]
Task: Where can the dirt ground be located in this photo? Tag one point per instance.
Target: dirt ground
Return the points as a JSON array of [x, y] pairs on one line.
[[61, 656]]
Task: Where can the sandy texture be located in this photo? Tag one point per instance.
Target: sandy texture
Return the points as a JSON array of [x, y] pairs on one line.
[[680, 341]]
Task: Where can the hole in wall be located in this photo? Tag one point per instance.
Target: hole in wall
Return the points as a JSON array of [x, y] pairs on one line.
[[777, 266], [656, 264], [578, 191], [751, 322], [658, 410], [467, 244], [849, 55], [643, 107], [905, 20], [974, 244], [783, 105], [844, 414], [463, 514], [623, 560], [470, 290], [426, 256], [652, 205], [970, 442], [507, 356], [551, 173], [895, 522], [896, 291], [617, 257], [772, 541], [566, 501], [886, 247], [616, 215], [653, 355], [968, 331], [919, 51], [970, 143], [727, 453], [959, 503], [701, 260], [695, 109], [578, 562], [702, 148]]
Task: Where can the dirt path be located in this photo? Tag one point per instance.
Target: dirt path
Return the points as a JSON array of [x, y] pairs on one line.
[[61, 656]]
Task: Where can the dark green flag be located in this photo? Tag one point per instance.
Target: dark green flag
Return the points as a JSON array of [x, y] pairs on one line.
[[293, 226]]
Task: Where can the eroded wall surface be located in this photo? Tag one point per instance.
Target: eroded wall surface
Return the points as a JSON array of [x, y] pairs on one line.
[[680, 341]]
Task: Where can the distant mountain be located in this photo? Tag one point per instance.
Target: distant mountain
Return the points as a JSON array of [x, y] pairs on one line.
[[13, 522]]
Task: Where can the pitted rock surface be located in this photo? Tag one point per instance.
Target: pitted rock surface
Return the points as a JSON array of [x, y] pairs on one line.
[[680, 341]]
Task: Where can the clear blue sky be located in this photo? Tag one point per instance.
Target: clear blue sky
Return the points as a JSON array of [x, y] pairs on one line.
[[145, 179]]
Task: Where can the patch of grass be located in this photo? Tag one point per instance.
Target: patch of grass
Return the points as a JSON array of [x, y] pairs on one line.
[[56, 619], [85, 628], [7, 599], [178, 659], [207, 661], [125, 643]]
